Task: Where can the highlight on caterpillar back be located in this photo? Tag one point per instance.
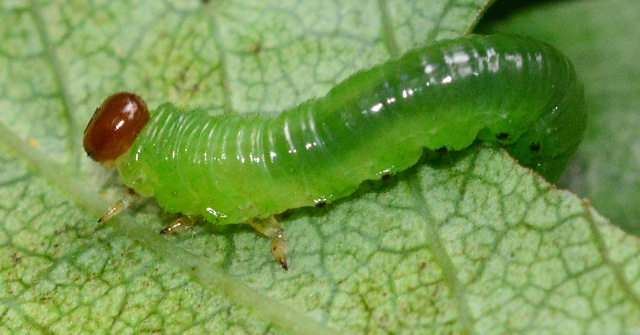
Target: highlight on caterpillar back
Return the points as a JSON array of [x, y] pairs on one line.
[[512, 91]]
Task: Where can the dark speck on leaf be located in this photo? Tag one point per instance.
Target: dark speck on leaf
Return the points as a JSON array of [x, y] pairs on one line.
[[256, 48]]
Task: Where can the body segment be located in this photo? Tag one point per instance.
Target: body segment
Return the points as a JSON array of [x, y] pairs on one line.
[[232, 169]]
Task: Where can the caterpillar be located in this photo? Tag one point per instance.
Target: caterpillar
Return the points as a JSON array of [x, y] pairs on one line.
[[512, 91]]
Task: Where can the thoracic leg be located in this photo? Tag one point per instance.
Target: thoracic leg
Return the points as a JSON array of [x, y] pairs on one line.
[[268, 227], [271, 229], [119, 205], [179, 225]]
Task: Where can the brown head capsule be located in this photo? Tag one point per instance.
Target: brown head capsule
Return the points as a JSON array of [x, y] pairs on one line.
[[114, 126]]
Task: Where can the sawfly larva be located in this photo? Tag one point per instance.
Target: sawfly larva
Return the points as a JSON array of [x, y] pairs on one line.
[[516, 92]]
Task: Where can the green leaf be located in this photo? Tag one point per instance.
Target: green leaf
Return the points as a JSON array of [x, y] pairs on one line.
[[468, 243]]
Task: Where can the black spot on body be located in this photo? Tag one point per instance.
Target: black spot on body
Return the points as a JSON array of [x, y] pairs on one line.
[[502, 136], [534, 147], [321, 204]]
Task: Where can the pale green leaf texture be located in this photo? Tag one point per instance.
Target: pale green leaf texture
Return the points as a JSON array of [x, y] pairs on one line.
[[467, 243]]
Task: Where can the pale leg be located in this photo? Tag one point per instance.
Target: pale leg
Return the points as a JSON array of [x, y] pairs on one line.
[[119, 205], [179, 225], [271, 229]]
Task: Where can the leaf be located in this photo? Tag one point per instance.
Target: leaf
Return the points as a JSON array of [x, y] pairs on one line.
[[471, 243]]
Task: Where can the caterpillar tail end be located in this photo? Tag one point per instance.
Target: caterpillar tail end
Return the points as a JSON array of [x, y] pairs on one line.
[[119, 205], [271, 229]]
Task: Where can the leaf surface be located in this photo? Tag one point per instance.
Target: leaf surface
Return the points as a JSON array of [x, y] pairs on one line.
[[468, 243]]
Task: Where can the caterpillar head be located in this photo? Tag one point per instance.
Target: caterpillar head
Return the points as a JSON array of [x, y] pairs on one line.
[[114, 126]]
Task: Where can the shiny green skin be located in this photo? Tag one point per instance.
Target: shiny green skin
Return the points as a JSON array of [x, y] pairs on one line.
[[512, 91]]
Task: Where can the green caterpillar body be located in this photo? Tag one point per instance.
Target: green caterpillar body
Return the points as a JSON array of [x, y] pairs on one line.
[[512, 91]]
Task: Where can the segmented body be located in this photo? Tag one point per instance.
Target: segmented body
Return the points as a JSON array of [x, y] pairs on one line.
[[230, 169]]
